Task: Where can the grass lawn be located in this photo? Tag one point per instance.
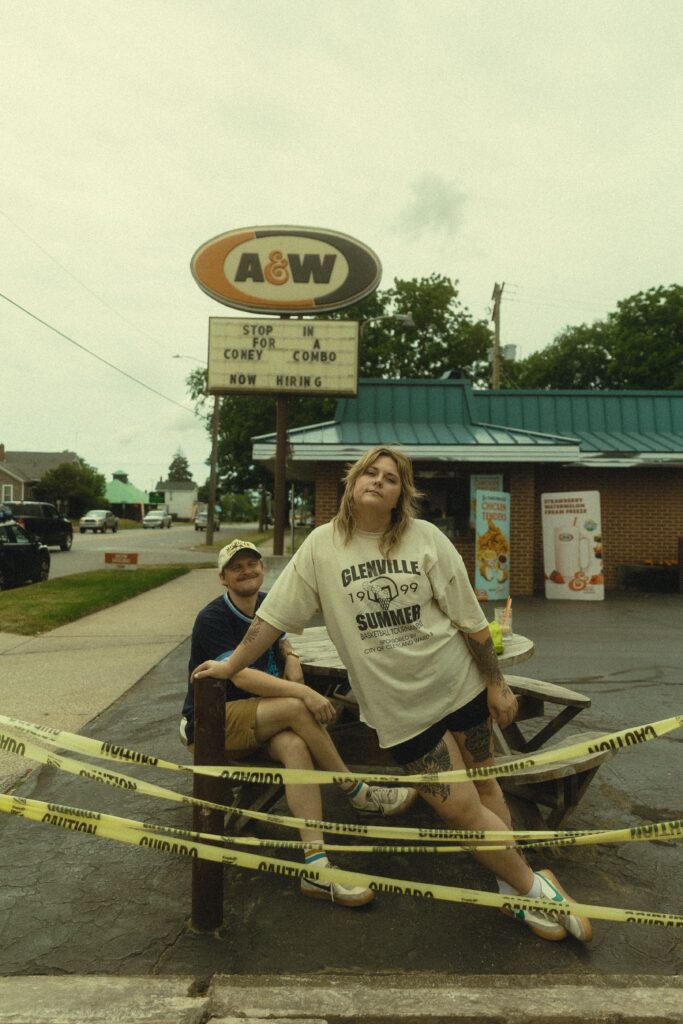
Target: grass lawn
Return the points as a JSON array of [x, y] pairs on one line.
[[43, 606]]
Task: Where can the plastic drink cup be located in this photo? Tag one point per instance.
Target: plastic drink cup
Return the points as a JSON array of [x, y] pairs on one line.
[[504, 621]]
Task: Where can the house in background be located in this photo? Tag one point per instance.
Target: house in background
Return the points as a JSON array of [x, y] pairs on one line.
[[126, 500], [21, 471], [180, 497], [628, 445]]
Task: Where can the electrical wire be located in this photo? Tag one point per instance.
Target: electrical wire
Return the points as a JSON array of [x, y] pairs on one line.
[[78, 281], [101, 359]]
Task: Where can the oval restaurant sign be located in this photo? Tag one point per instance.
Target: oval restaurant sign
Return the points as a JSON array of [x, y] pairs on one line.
[[286, 269]]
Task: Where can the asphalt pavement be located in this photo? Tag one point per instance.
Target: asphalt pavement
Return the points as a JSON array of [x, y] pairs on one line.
[[103, 914]]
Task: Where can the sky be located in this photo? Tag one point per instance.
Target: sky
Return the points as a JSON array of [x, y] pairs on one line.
[[535, 142]]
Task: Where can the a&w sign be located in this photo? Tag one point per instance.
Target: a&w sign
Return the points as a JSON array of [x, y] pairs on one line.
[[285, 270]]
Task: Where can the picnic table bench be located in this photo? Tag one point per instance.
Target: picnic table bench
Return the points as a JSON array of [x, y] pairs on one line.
[[556, 788]]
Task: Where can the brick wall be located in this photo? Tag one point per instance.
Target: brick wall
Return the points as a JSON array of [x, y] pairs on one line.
[[641, 511], [327, 491]]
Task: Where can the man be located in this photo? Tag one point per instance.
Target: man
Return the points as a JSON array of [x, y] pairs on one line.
[[277, 713]]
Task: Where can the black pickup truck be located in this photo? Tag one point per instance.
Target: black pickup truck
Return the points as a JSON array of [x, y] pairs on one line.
[[44, 522]]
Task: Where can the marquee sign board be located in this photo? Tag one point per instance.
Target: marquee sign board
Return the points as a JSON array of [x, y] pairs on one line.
[[264, 356], [286, 270]]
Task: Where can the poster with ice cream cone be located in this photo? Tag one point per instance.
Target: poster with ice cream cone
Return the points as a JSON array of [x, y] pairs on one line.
[[572, 546], [492, 547]]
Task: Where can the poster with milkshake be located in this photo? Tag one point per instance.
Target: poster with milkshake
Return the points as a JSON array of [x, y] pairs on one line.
[[572, 546]]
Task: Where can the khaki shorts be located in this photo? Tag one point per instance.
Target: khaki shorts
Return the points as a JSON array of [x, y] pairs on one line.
[[240, 727]]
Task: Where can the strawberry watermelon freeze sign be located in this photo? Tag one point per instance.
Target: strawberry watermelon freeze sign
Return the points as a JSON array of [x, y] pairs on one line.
[[572, 546]]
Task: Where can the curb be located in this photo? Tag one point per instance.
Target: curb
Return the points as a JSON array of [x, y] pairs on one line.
[[425, 999], [334, 999]]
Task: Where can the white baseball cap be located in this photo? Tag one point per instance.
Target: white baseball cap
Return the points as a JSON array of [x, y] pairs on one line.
[[226, 554]]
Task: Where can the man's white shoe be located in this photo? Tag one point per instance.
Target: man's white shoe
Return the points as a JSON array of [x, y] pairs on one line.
[[335, 892], [385, 800]]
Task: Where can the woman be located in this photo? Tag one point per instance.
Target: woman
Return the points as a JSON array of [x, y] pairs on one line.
[[402, 614]]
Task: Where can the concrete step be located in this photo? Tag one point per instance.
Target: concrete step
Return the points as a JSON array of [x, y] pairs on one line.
[[428, 999], [336, 999], [101, 1000]]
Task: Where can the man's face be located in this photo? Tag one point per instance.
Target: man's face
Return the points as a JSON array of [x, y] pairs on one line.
[[243, 575]]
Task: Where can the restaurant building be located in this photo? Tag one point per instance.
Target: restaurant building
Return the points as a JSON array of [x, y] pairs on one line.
[[627, 445]]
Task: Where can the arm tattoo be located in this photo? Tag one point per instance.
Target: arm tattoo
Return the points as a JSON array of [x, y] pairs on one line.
[[486, 660], [478, 741], [436, 760], [252, 634]]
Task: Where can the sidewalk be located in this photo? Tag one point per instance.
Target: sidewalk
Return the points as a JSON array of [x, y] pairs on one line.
[[104, 913], [66, 677]]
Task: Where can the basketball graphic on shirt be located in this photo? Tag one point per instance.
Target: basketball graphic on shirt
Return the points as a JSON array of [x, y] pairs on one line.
[[382, 590]]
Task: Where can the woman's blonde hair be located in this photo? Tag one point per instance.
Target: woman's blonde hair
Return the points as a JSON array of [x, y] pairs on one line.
[[401, 515]]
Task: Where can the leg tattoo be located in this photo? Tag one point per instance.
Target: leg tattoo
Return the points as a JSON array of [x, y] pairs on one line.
[[478, 741], [436, 760]]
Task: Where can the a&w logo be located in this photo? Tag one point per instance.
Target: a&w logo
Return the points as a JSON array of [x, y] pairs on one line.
[[284, 269]]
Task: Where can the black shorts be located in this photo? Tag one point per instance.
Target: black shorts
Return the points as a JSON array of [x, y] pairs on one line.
[[464, 718]]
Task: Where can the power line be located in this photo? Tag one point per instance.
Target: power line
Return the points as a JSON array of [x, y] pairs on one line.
[[95, 355], [78, 281]]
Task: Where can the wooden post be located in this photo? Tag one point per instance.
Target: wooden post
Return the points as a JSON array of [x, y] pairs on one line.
[[209, 748]]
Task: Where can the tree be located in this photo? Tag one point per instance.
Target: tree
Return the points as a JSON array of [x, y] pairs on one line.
[[76, 487], [179, 469], [648, 340], [638, 347], [444, 338], [578, 358]]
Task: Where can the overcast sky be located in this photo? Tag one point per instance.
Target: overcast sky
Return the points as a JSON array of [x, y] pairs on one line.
[[532, 142]]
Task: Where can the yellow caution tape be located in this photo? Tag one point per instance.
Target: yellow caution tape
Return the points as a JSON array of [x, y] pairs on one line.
[[665, 830], [119, 830], [614, 741]]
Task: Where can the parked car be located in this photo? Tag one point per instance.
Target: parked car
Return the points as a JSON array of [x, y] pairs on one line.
[[201, 520], [43, 521], [99, 520], [23, 559], [157, 518]]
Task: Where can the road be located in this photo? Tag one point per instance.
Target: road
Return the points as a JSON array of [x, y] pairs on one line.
[[182, 543]]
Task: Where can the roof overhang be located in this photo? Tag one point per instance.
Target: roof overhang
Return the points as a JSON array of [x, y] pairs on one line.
[[658, 460], [264, 452]]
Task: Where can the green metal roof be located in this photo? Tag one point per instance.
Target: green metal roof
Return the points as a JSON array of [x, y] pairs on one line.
[[446, 419], [602, 421], [119, 493]]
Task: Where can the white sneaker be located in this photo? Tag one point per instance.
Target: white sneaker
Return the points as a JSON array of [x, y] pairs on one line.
[[552, 926], [335, 892], [385, 800], [579, 927]]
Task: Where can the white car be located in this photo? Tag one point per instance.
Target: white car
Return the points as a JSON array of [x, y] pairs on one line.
[[99, 520], [157, 518]]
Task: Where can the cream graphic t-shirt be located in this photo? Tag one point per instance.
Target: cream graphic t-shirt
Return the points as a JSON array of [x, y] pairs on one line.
[[396, 622]]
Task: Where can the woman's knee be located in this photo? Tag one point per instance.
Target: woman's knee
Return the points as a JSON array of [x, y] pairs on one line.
[[488, 789], [458, 806]]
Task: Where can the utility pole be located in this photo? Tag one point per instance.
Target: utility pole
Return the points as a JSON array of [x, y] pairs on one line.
[[495, 316], [213, 473]]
